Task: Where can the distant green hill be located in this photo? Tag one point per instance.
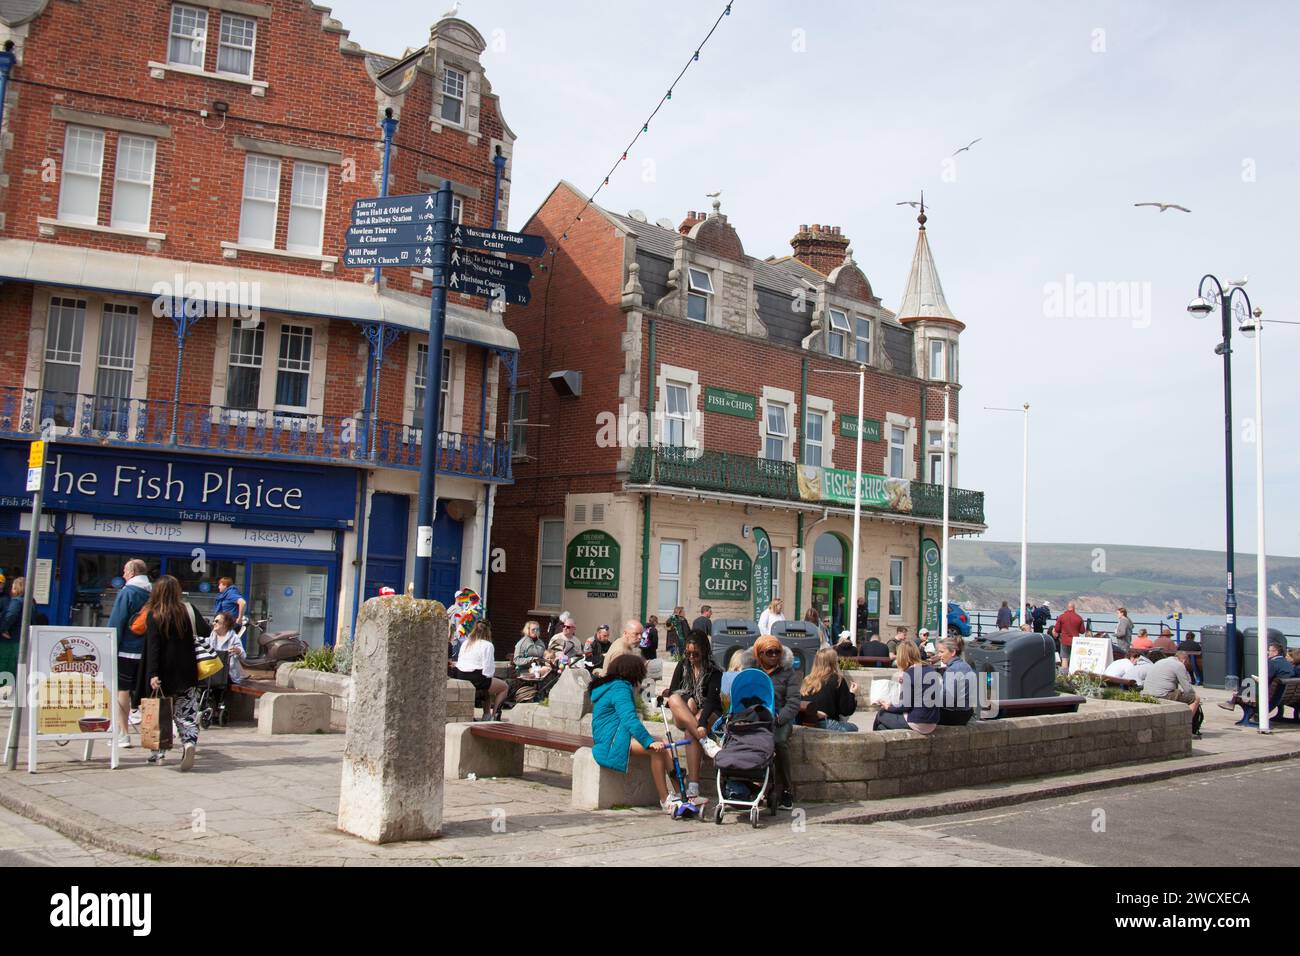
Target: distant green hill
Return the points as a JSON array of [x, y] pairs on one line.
[[1146, 580]]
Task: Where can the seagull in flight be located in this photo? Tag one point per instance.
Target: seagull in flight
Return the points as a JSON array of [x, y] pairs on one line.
[[1163, 205], [913, 204], [714, 195], [968, 146]]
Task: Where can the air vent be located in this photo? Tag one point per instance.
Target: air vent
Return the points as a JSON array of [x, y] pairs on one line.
[[597, 514], [579, 514]]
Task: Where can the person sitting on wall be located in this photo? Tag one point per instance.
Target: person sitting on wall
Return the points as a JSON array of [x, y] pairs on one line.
[[617, 733], [831, 698], [960, 684], [1132, 666], [594, 648], [914, 710], [476, 664], [1168, 679], [530, 649]]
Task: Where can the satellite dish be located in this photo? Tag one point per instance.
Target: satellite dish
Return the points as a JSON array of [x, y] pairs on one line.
[[638, 215], [665, 223]]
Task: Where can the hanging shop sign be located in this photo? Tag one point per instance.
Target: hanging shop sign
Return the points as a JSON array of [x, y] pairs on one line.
[[762, 572], [726, 573], [727, 402], [836, 485], [932, 573], [849, 428], [592, 561]]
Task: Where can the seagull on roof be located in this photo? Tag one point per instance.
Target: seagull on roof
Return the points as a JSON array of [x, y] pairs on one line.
[[455, 9], [1163, 205], [968, 146]]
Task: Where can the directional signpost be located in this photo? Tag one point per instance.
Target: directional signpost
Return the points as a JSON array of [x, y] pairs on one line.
[[416, 232]]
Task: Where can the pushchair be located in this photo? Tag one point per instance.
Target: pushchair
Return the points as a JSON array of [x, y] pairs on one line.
[[744, 765], [211, 701]]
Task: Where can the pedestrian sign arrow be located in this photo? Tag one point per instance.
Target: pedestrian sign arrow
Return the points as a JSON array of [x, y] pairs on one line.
[[383, 234], [393, 210], [498, 240], [470, 285], [490, 268]]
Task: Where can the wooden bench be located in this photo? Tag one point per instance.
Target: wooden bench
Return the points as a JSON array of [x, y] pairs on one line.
[[530, 736], [1036, 706], [870, 661], [1284, 693]]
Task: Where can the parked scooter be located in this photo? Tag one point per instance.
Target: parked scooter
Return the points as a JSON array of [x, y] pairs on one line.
[[272, 648]]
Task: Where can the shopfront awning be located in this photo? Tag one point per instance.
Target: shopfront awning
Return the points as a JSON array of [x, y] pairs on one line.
[[123, 273]]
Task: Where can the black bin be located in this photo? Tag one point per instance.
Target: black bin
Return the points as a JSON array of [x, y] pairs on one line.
[[1214, 655], [731, 636], [803, 639], [1023, 662]]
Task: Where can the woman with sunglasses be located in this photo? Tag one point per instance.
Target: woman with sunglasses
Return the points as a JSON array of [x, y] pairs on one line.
[[530, 649], [776, 660], [694, 697]]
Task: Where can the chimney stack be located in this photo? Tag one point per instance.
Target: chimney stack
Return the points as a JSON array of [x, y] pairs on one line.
[[821, 247], [689, 222]]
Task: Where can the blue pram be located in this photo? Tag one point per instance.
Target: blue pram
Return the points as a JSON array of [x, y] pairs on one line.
[[744, 765]]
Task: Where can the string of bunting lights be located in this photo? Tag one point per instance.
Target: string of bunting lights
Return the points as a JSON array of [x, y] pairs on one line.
[[645, 127]]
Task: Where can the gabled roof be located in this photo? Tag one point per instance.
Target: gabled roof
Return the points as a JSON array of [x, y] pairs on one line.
[[923, 298]]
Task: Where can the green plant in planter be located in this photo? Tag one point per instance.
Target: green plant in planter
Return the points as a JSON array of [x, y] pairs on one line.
[[848, 665], [318, 659], [1086, 685], [343, 656]]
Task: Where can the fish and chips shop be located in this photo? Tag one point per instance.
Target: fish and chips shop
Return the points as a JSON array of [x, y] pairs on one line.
[[275, 528]]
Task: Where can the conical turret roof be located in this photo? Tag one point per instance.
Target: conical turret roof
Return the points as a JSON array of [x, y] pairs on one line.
[[923, 298]]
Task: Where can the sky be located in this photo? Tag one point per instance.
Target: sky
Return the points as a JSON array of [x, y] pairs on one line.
[[1074, 300]]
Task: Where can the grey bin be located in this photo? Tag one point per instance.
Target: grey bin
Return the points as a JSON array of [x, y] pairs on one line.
[[1250, 648], [1214, 654], [1023, 662], [803, 639], [731, 636]]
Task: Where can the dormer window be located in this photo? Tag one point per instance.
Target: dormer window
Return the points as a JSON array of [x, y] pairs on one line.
[[238, 37], [189, 32], [863, 354], [837, 343], [453, 96], [697, 298]]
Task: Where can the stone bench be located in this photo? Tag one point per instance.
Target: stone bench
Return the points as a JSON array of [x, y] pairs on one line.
[[302, 712]]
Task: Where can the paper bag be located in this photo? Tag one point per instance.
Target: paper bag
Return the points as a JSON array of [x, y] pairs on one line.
[[886, 692], [156, 723]]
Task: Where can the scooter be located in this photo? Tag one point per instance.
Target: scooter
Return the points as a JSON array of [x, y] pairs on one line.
[[686, 810], [274, 647]]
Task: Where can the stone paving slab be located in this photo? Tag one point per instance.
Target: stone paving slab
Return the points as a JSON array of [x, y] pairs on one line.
[[274, 801]]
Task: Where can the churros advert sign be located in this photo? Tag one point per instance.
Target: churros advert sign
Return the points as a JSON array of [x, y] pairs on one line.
[[72, 676]]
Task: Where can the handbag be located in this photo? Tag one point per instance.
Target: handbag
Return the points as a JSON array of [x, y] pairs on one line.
[[140, 624], [205, 658]]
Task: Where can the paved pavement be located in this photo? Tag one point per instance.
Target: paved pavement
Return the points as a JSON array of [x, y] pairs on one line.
[[273, 800], [24, 843]]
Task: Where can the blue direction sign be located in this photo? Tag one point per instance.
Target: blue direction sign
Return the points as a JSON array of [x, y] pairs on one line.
[[498, 240], [469, 285], [490, 268], [404, 234], [368, 257], [393, 210]]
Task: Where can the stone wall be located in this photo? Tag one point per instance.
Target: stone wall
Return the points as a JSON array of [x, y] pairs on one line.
[[460, 694]]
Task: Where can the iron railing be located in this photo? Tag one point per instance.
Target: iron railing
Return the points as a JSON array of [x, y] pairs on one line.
[[270, 433], [759, 477]]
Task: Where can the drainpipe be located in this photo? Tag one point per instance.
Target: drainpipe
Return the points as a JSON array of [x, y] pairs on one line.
[[920, 535], [499, 162], [645, 499]]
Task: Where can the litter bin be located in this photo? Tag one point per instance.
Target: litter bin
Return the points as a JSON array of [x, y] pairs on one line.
[[1250, 648], [803, 639], [1024, 662], [731, 636], [1214, 655]]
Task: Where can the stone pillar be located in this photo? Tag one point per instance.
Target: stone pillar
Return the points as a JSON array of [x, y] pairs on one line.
[[393, 762]]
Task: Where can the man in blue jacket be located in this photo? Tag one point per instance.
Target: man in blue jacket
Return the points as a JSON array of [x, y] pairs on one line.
[[130, 646]]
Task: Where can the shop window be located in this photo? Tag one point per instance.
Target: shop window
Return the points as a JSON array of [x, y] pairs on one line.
[[550, 563], [895, 587], [290, 597], [670, 575]]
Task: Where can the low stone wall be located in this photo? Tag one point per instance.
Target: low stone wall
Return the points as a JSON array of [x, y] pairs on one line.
[[460, 694], [861, 766]]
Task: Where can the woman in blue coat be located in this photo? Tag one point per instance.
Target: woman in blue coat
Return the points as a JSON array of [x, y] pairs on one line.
[[617, 733]]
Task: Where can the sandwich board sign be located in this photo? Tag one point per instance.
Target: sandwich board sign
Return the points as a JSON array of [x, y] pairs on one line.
[[1091, 654], [71, 680]]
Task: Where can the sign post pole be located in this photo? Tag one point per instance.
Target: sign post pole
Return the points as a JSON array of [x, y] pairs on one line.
[[36, 470], [429, 442]]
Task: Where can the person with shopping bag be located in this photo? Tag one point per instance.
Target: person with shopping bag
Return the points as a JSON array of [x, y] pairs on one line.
[[169, 671]]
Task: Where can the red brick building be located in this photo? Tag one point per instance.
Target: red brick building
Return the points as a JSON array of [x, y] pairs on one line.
[[684, 408], [175, 183]]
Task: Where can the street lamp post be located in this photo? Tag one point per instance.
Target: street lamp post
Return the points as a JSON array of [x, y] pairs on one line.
[[1024, 507], [947, 481], [1255, 330], [1210, 293]]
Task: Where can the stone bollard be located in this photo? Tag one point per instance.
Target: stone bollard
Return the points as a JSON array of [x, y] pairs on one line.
[[393, 762], [571, 696]]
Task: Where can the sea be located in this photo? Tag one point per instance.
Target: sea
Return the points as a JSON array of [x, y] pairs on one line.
[[1289, 626]]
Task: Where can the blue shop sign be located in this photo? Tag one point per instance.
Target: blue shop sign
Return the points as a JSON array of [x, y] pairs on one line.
[[182, 488]]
